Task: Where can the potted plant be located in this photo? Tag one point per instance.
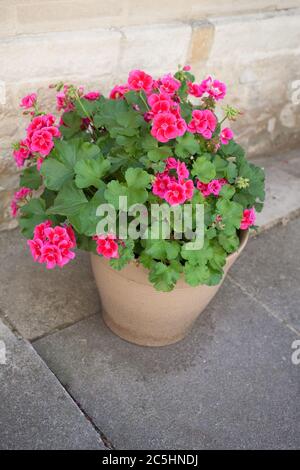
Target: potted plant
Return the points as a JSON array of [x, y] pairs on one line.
[[94, 177]]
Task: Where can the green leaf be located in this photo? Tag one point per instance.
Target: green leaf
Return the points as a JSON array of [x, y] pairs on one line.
[[126, 254], [197, 257], [196, 275], [204, 169], [90, 171], [163, 277], [56, 174], [113, 191], [31, 178], [227, 191], [160, 153], [231, 213], [32, 214], [72, 123], [162, 249], [229, 243], [69, 201], [85, 220], [187, 145]]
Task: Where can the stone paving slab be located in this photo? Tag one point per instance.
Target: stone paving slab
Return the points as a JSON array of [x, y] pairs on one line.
[[269, 270], [282, 188], [229, 384], [37, 300], [35, 410]]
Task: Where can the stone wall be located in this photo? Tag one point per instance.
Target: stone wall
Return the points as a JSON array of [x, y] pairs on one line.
[[254, 46]]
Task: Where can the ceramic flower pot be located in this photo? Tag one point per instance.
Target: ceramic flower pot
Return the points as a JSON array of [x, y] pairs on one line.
[[136, 312]]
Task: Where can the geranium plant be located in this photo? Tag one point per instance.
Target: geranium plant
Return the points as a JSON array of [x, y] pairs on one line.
[[154, 141]]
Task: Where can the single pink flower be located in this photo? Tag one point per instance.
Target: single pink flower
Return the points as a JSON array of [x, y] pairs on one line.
[[189, 189], [107, 246], [71, 235], [39, 122], [42, 142], [92, 95], [182, 171], [35, 248], [39, 230], [169, 84], [164, 127], [118, 92], [214, 187], [175, 194], [28, 101], [248, 218], [22, 153], [203, 122], [139, 80], [226, 135], [187, 68], [50, 255], [203, 188], [195, 89], [160, 185], [214, 88], [160, 103]]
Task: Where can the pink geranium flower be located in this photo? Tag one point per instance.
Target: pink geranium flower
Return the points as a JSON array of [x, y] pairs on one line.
[[51, 256], [226, 135], [189, 189], [195, 89], [92, 95], [107, 246], [164, 127], [203, 122], [42, 142], [39, 122], [175, 194], [139, 80], [160, 103], [214, 88], [35, 246], [52, 245], [22, 153], [160, 185], [18, 197], [118, 92], [169, 84], [28, 101], [213, 187], [248, 219]]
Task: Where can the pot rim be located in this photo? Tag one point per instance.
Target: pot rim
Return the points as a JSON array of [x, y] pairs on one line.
[[142, 278]]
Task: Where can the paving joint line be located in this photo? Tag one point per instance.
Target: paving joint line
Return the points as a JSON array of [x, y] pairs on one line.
[[262, 304]]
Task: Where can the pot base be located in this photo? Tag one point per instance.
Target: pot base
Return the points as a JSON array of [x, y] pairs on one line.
[[135, 311], [139, 340]]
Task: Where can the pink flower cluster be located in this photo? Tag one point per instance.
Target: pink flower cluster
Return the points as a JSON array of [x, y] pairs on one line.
[[39, 139], [174, 189], [19, 196], [213, 187], [203, 122], [107, 246], [52, 245], [248, 218], [226, 135], [28, 101], [214, 88]]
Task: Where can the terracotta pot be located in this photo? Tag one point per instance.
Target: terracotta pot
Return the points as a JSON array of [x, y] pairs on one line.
[[136, 312]]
